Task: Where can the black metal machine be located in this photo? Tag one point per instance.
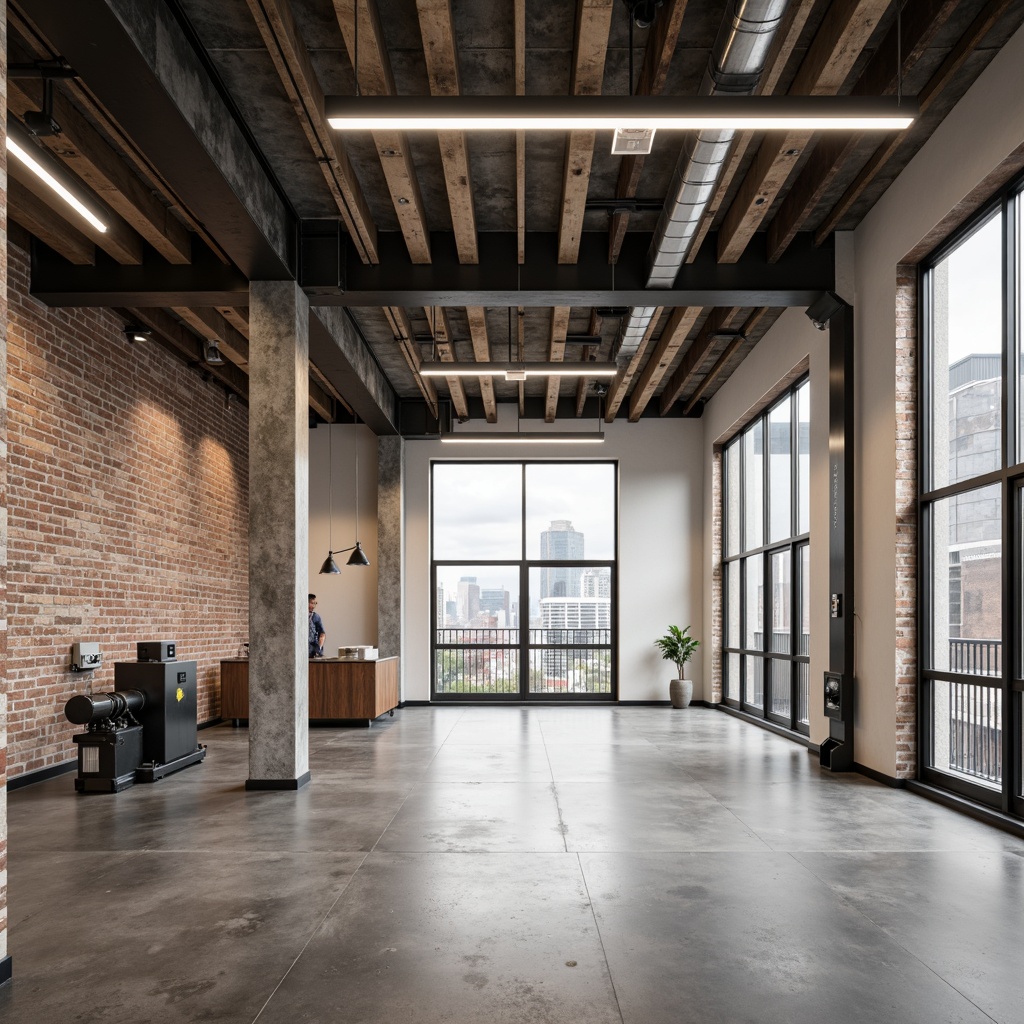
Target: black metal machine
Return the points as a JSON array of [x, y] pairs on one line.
[[168, 717], [143, 731], [111, 750]]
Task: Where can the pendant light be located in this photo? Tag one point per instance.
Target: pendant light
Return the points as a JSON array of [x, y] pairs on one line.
[[358, 556]]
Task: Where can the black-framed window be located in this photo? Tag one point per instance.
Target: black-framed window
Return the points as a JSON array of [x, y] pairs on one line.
[[766, 563], [523, 575], [970, 507]]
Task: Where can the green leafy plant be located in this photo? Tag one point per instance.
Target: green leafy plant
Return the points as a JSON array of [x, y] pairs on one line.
[[677, 646]]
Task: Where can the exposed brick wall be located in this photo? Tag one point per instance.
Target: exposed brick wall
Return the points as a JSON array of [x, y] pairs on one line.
[[3, 491], [906, 522], [128, 514]]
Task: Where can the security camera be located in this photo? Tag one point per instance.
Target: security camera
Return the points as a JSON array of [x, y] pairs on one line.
[[823, 308]]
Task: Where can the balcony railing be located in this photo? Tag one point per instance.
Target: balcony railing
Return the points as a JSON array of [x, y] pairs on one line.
[[976, 657], [975, 731], [489, 636]]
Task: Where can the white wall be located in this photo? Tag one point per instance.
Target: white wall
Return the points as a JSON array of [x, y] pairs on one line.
[[790, 340], [660, 567], [348, 601], [979, 133]]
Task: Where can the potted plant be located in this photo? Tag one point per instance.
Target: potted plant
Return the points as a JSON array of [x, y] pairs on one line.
[[678, 646]]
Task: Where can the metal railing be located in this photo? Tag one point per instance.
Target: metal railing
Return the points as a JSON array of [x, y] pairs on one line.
[[976, 657], [975, 731], [485, 660]]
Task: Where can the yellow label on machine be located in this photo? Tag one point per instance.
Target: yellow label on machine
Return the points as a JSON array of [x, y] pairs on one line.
[[180, 694]]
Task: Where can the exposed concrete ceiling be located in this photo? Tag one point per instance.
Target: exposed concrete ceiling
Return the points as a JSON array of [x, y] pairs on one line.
[[198, 124]]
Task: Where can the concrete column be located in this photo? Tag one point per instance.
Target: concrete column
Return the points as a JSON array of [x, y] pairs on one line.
[[278, 535], [390, 545], [5, 960]]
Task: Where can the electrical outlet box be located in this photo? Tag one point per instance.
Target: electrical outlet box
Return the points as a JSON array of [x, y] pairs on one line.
[[85, 656]]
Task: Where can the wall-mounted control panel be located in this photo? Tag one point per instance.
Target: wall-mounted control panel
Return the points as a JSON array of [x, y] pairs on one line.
[[85, 656], [833, 695]]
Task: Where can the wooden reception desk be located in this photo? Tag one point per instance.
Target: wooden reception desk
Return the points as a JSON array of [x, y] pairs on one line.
[[338, 690]]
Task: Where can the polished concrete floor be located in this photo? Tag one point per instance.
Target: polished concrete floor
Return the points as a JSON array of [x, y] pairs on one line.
[[562, 865]]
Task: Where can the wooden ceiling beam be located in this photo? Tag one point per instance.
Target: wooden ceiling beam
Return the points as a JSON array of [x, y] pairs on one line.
[[441, 330], [374, 77], [843, 34], [121, 242], [208, 323], [671, 341], [320, 401], [556, 354], [30, 43], [583, 384], [786, 40], [443, 74], [921, 22], [695, 355], [276, 23], [743, 333], [323, 382], [401, 327], [619, 387], [92, 159], [661, 46], [593, 23], [476, 316], [965, 46], [237, 316], [173, 334], [27, 209]]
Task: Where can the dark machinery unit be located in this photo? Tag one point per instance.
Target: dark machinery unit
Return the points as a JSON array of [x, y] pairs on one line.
[[169, 716], [111, 751]]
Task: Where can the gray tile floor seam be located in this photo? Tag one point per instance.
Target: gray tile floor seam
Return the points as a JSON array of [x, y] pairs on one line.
[[515, 866]]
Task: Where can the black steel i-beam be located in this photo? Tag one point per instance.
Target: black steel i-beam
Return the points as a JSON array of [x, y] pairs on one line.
[[333, 275]]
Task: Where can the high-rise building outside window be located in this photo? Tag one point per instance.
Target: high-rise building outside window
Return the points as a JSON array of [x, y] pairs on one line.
[[524, 580]]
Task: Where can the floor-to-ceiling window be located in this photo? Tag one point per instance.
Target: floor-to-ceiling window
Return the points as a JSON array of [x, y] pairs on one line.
[[972, 476], [523, 580], [766, 561]]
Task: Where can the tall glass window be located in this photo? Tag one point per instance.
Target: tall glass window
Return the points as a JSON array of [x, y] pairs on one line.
[[523, 577], [765, 525], [971, 678]]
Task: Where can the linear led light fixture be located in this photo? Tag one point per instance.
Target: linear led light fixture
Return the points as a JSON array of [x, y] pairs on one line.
[[663, 113], [518, 371], [44, 175], [525, 437]]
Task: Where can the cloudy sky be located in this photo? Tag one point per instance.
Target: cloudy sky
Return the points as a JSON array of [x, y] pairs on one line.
[[975, 294], [478, 507]]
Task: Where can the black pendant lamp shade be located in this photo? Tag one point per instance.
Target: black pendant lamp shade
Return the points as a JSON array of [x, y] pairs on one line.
[[330, 565], [358, 556]]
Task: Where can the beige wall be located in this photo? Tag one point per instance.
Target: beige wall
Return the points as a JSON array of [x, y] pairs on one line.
[[348, 601], [981, 131], [660, 542]]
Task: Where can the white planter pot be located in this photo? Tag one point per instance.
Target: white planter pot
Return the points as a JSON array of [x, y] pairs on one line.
[[680, 692]]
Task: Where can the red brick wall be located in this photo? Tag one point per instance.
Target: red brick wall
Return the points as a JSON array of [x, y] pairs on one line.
[[906, 522], [128, 514], [3, 493]]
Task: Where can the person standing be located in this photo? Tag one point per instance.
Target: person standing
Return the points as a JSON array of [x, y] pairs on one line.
[[316, 630]]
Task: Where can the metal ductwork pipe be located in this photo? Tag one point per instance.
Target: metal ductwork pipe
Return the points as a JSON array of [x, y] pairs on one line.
[[734, 68]]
